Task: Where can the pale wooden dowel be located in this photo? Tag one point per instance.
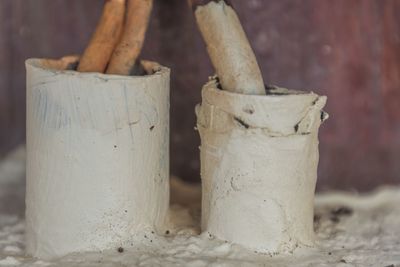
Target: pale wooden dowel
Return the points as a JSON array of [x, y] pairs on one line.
[[106, 36], [128, 49], [227, 45]]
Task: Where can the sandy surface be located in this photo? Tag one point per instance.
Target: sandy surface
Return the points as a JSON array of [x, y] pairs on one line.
[[352, 230]]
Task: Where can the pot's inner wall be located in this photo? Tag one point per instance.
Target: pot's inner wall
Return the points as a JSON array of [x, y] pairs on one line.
[[71, 63], [269, 89]]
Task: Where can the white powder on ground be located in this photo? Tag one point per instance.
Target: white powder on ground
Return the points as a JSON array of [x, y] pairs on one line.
[[8, 261], [352, 230]]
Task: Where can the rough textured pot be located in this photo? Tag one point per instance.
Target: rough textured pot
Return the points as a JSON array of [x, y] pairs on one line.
[[259, 157], [97, 156]]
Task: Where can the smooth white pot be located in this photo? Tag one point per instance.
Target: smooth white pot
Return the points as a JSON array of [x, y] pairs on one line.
[[97, 157], [259, 157]]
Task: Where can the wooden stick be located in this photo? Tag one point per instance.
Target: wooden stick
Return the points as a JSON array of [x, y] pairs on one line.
[[127, 51], [105, 38], [228, 47]]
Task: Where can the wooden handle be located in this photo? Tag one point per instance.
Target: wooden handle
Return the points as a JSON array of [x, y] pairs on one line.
[[105, 38], [227, 45], [127, 51]]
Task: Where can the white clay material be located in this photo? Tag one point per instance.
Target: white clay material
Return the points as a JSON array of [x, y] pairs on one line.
[[259, 157], [97, 157]]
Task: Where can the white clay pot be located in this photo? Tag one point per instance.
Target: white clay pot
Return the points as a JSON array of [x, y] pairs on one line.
[[259, 157], [97, 157]]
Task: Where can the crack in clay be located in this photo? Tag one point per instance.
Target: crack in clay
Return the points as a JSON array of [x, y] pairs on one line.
[[133, 122], [242, 123], [127, 113], [234, 187]]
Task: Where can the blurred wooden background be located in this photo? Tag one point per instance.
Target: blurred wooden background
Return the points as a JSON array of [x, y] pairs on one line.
[[348, 50]]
